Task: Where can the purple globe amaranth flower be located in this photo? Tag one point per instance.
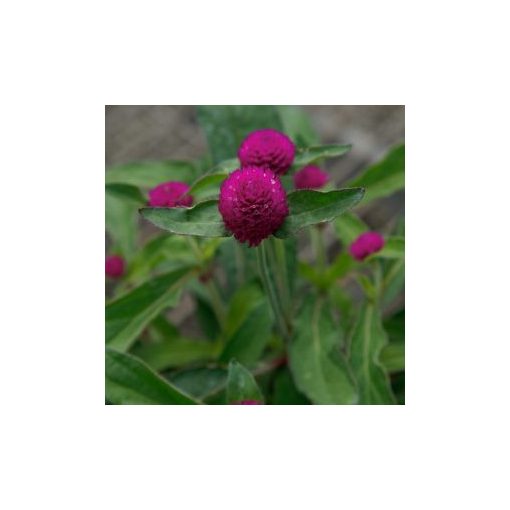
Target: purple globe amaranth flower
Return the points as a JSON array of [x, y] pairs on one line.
[[267, 148], [310, 177], [366, 244], [253, 204], [114, 266], [170, 194], [249, 403]]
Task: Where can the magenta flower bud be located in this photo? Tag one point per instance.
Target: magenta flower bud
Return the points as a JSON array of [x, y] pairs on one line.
[[249, 403], [366, 244], [114, 266], [310, 177], [267, 148], [170, 194], [253, 204]]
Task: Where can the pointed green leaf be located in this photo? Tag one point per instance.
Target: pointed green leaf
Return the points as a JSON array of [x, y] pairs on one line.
[[385, 177], [248, 326], [201, 383], [367, 340], [393, 357], [241, 385], [127, 192], [130, 381], [226, 126], [309, 207], [157, 254], [127, 316], [316, 362], [393, 280], [175, 352], [204, 219], [297, 125], [285, 391], [121, 221], [147, 174], [207, 186], [312, 154]]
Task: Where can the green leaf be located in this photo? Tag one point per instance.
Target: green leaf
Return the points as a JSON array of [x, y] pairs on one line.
[[127, 316], [241, 385], [367, 340], [340, 267], [121, 224], [385, 177], [239, 263], [130, 381], [297, 125], [206, 317], [316, 362], [207, 186], [395, 326], [285, 391], [201, 383], [312, 154], [226, 126], [248, 326], [393, 280], [226, 166], [324, 280], [204, 219], [158, 253], [175, 352], [161, 329], [309, 207], [393, 357], [367, 285], [148, 174], [348, 227], [394, 248], [127, 192]]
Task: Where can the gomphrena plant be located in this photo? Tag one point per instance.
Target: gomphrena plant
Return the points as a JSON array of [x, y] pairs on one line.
[[289, 331]]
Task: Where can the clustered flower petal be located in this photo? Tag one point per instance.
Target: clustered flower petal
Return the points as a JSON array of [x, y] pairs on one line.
[[253, 204], [267, 148], [310, 177], [366, 244], [114, 266], [170, 194]]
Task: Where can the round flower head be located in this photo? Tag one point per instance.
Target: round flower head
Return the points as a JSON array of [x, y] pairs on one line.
[[114, 266], [310, 177], [267, 148], [170, 194], [253, 204], [366, 244]]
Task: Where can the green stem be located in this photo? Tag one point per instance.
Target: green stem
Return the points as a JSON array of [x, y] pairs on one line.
[[194, 248], [318, 246], [216, 302], [239, 256], [378, 278], [279, 264], [270, 289], [212, 289]]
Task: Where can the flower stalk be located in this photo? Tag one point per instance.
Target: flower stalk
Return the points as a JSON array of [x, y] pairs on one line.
[[270, 288]]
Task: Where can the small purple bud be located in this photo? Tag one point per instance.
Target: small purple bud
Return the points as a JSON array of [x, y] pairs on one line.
[[310, 177], [267, 148], [366, 244], [114, 266], [170, 194]]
